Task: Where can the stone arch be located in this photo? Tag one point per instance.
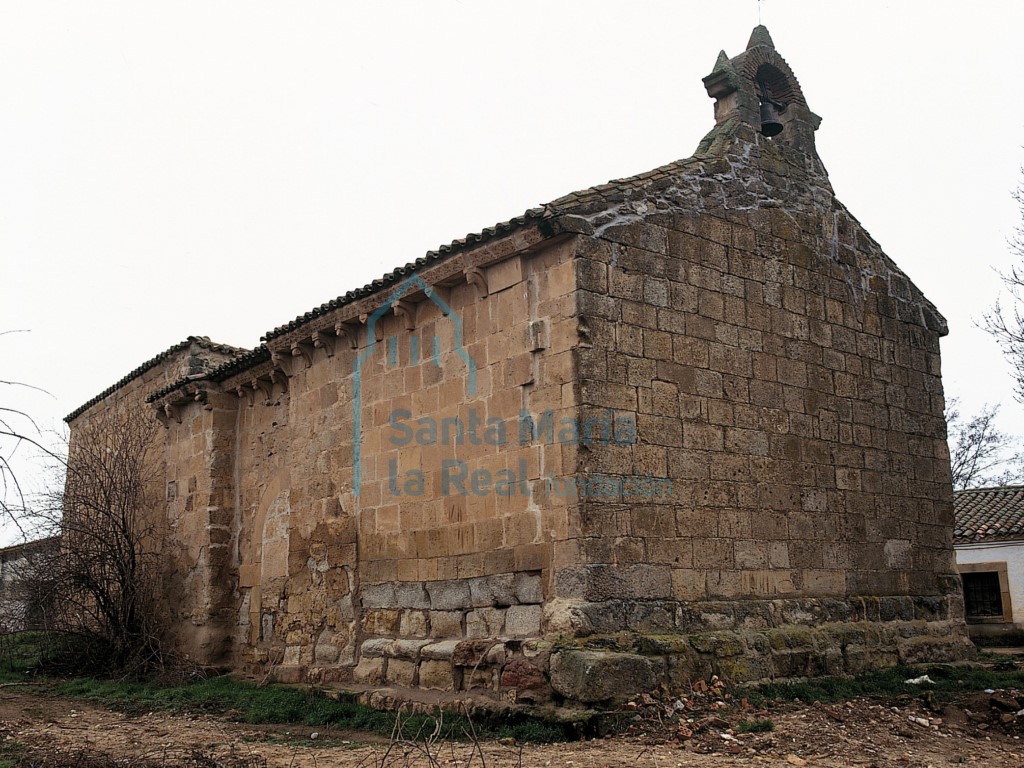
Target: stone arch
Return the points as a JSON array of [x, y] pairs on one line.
[[763, 62], [775, 84], [262, 564]]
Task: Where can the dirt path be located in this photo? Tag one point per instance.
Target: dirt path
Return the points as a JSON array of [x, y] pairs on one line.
[[859, 733]]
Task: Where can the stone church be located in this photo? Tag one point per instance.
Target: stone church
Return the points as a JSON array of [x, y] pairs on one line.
[[683, 423]]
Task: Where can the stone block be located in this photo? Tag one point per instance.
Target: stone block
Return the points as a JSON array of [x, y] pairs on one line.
[[528, 588], [411, 595], [485, 622], [480, 677], [436, 675], [449, 595], [326, 652], [531, 557], [504, 274], [651, 616], [474, 653], [523, 620], [413, 624], [595, 676], [405, 648], [369, 671], [446, 624], [439, 651], [378, 646], [378, 596], [401, 673], [492, 591], [863, 658], [381, 622], [523, 675]]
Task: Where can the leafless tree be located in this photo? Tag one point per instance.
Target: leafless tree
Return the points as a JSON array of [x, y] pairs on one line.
[[979, 453], [1005, 321], [17, 431], [103, 579]]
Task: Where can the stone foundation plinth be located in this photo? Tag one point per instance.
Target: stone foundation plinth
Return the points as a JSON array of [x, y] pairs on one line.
[[676, 644]]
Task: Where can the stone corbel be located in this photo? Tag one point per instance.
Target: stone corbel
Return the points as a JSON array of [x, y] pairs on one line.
[[439, 294], [349, 332], [378, 327], [303, 350], [264, 386], [284, 364], [476, 277], [325, 341], [407, 311], [195, 393], [538, 335], [172, 412], [278, 377], [248, 393], [161, 416]]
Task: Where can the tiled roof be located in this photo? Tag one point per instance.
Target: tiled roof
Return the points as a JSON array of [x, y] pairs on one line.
[[202, 341], [396, 275], [988, 514]]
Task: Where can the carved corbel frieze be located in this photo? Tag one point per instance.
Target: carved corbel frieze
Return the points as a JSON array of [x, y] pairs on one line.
[[476, 277], [407, 311], [303, 350], [347, 332]]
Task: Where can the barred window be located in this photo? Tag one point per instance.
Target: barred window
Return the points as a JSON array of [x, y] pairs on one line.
[[982, 596]]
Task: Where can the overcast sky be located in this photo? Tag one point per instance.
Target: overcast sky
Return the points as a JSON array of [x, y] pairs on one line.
[[216, 169]]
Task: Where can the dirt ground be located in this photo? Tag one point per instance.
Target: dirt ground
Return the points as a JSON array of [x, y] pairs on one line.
[[58, 732]]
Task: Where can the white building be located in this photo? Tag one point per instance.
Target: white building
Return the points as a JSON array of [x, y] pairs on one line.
[[989, 543]]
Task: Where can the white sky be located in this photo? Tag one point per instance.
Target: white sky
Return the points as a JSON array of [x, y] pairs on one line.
[[216, 169]]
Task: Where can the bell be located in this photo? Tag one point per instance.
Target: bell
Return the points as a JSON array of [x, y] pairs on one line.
[[770, 123]]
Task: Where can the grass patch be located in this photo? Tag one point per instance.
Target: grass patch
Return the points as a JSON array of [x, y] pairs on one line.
[[248, 703], [12, 754], [756, 726], [20, 654], [949, 681]]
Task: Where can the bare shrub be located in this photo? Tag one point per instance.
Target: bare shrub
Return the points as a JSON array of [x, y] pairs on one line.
[[101, 583]]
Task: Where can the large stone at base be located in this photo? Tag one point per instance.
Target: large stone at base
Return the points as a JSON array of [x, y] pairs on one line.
[[591, 676]]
